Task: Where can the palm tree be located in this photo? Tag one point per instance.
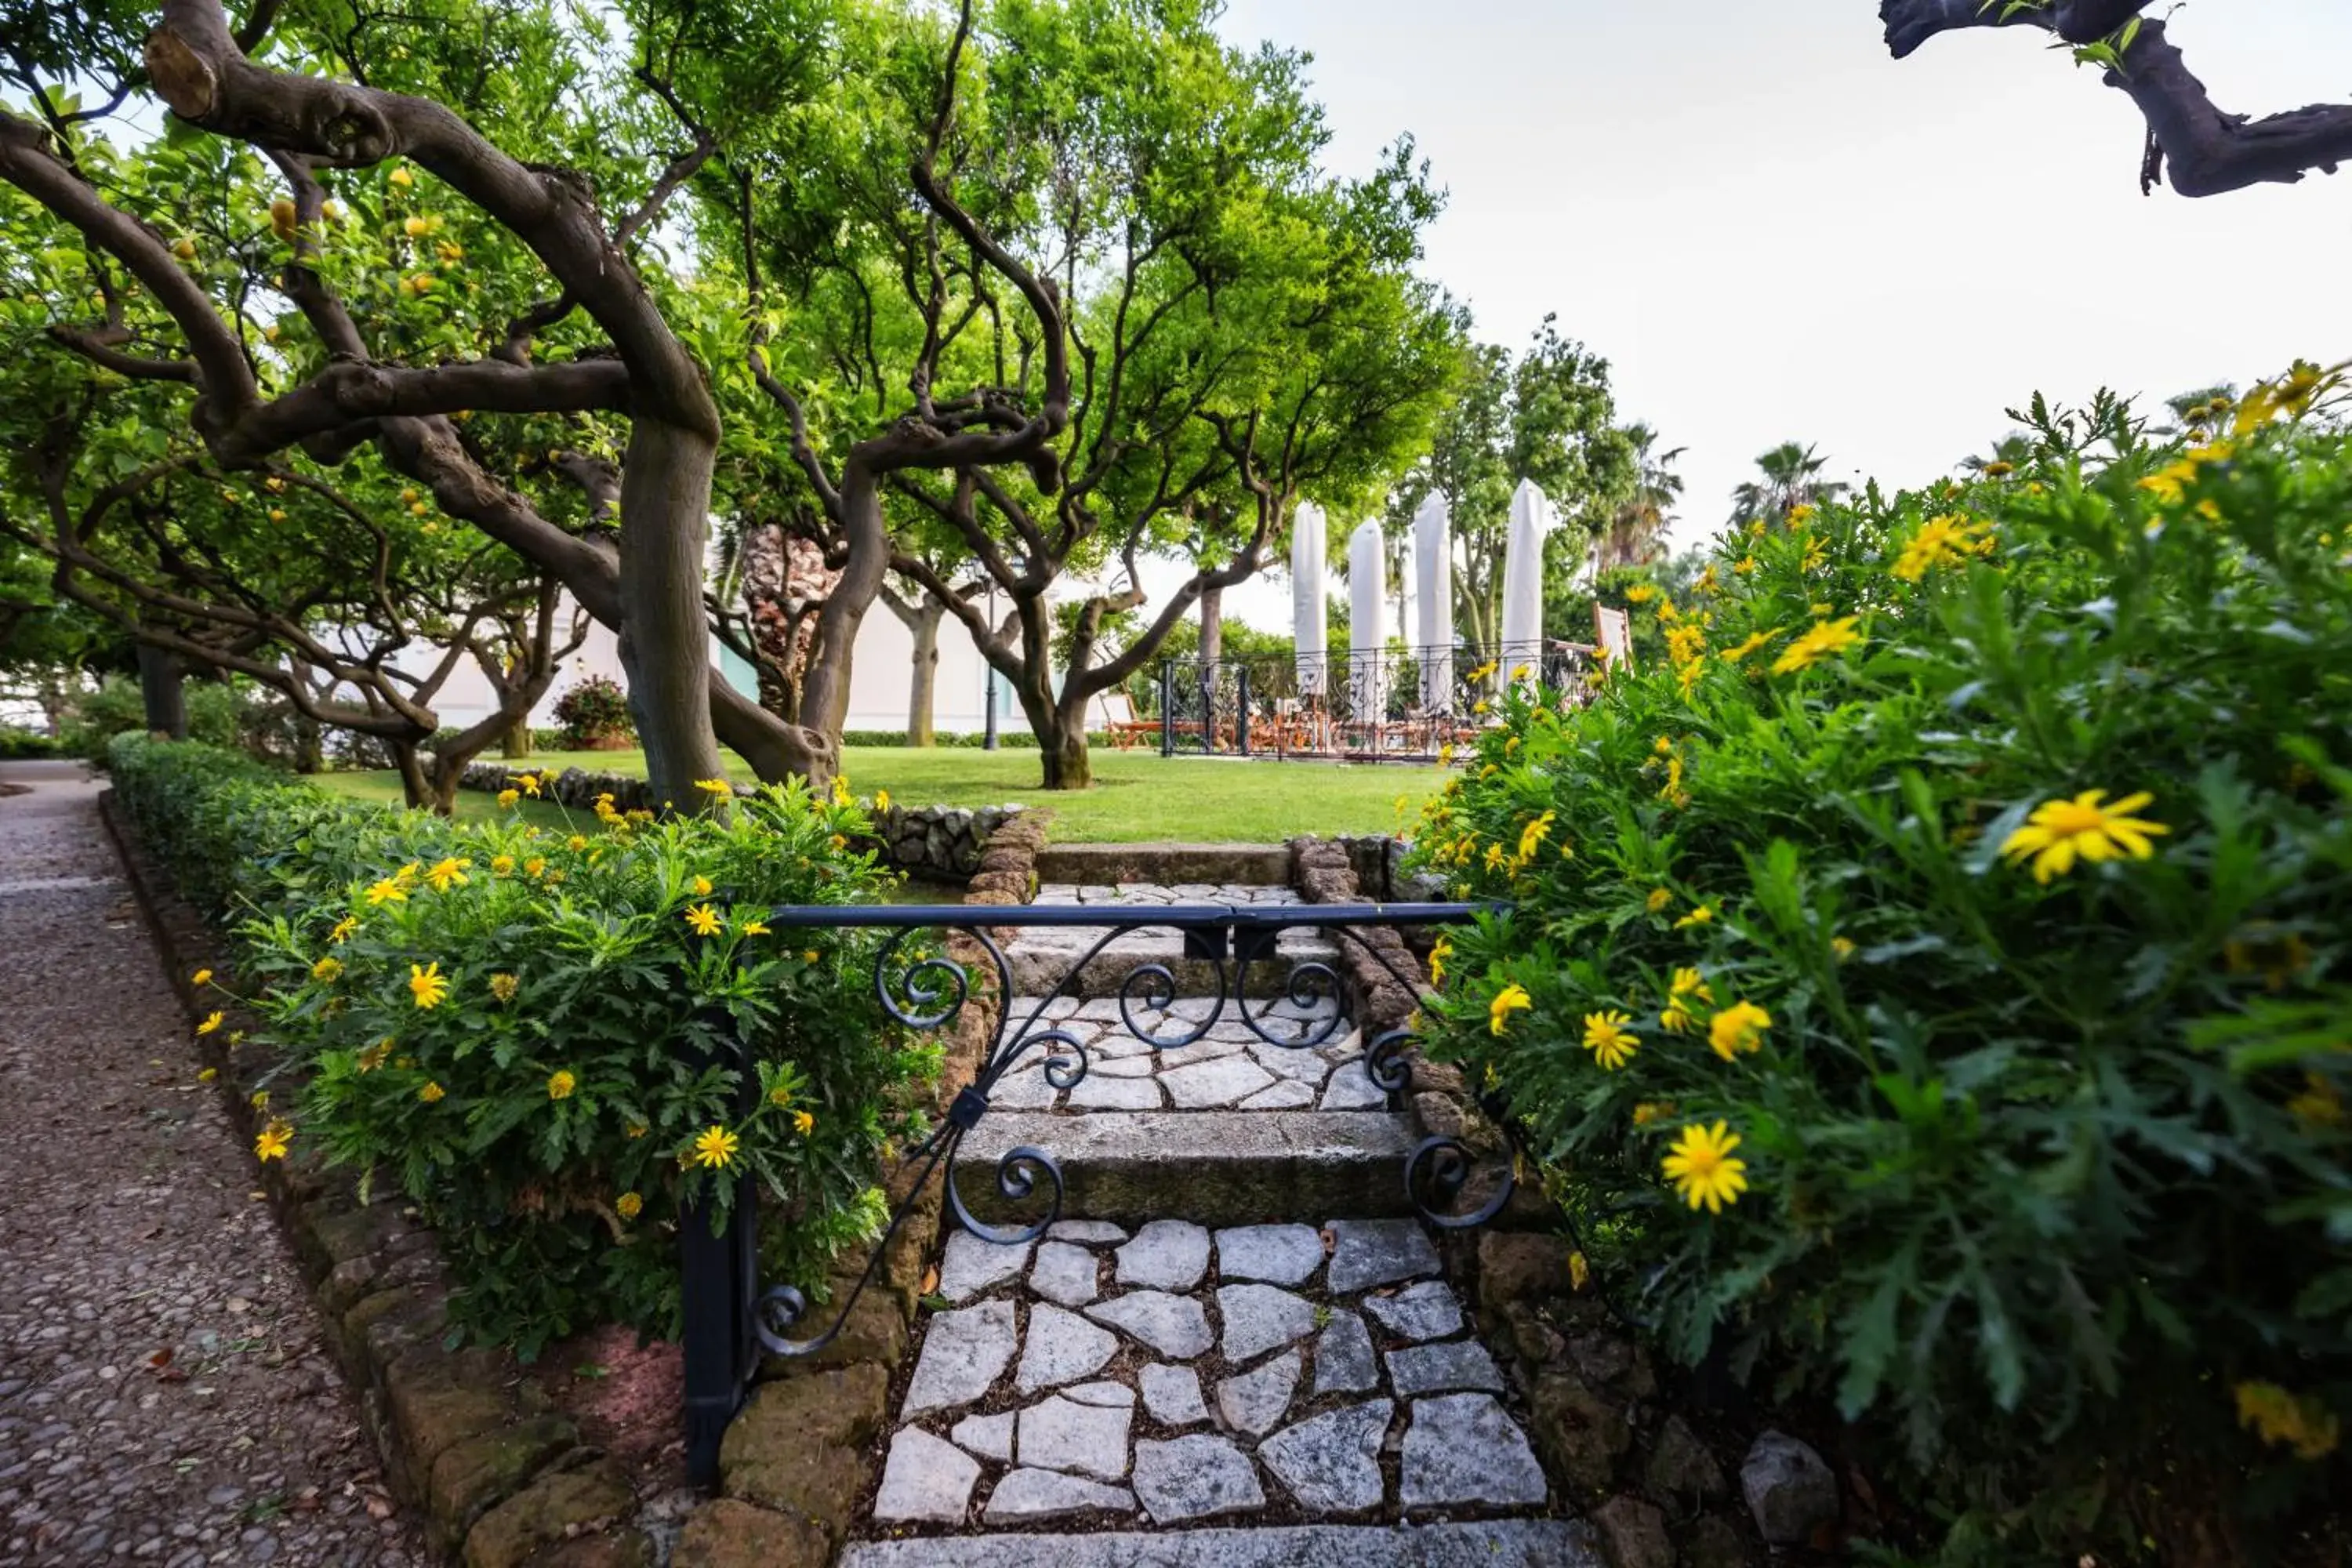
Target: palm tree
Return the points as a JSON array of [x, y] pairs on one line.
[[1637, 529], [1792, 479]]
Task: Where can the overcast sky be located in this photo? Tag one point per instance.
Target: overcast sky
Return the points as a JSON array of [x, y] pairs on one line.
[[1775, 231]]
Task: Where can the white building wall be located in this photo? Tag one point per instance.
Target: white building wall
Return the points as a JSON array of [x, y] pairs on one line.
[[880, 676]]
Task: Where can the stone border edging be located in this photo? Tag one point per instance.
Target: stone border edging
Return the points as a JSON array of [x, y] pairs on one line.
[[501, 1480]]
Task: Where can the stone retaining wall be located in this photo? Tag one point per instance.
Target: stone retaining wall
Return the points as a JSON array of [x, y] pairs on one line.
[[502, 1479], [937, 843]]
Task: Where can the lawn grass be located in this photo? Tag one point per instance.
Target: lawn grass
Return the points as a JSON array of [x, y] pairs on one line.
[[1137, 796]]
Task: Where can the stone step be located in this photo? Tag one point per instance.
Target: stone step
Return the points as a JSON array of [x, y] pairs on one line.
[[1040, 967], [1212, 1167], [1168, 864], [1490, 1543]]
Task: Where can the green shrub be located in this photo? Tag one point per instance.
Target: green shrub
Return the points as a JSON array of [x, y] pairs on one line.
[[529, 1032], [595, 709], [215, 715], [2041, 1139], [15, 742]]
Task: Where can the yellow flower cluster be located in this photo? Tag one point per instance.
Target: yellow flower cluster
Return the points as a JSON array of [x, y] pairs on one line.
[[2284, 1421], [1945, 541], [1824, 637]]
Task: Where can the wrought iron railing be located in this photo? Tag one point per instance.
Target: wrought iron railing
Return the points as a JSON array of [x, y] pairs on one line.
[[1399, 705], [1227, 951]]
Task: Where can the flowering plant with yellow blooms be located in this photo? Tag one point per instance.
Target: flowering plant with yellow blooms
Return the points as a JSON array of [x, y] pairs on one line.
[[1947, 1005], [506, 1047]]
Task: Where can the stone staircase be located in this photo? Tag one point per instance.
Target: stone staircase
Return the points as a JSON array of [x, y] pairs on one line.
[[1235, 1347]]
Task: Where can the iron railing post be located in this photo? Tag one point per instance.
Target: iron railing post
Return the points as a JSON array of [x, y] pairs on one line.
[[1166, 707], [719, 1281], [1242, 710]]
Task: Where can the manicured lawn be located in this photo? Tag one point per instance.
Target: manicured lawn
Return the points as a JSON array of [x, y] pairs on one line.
[[1137, 796]]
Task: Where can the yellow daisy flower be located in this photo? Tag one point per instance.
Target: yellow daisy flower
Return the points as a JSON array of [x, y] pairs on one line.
[[1739, 1028], [1700, 1165], [704, 919], [426, 983], [273, 1142], [560, 1084], [715, 1149], [1512, 998], [2061, 831], [212, 1022], [1611, 1044]]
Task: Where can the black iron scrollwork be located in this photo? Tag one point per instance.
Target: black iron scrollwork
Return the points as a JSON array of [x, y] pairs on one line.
[[923, 988]]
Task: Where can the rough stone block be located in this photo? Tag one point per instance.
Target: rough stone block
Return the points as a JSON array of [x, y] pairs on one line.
[[1517, 1267], [475, 1475], [546, 1511], [1633, 1534], [731, 1533]]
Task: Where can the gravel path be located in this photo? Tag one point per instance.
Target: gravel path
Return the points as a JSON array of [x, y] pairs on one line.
[[165, 1393]]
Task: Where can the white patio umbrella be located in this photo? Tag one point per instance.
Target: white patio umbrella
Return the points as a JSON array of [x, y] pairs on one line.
[[1309, 635], [1368, 621], [1531, 519], [1432, 563]]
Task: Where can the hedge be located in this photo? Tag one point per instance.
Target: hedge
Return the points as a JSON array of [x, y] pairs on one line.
[[1927, 985], [534, 1032]]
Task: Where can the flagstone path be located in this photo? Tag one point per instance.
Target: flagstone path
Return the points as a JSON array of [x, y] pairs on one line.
[[1138, 1388], [166, 1396]]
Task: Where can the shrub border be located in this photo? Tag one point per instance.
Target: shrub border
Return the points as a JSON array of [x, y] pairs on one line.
[[1633, 1466], [496, 1478]]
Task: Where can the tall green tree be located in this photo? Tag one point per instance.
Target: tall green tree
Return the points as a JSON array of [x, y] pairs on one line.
[[1128, 318], [1790, 477], [557, 316], [1545, 416]]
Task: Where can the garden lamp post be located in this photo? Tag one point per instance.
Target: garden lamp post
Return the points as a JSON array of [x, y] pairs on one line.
[[988, 723]]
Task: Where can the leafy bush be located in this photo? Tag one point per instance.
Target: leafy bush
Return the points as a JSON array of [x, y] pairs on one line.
[[17, 741], [215, 715], [530, 1032], [595, 709], [1929, 986]]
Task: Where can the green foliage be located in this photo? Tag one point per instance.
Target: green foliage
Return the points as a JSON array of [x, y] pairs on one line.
[[544, 1112], [17, 743], [2045, 1164], [217, 716], [595, 709], [1547, 417]]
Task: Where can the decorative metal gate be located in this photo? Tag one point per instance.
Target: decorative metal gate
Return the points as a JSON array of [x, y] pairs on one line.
[[1236, 954]]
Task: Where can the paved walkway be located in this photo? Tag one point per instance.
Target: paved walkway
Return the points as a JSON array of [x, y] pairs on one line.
[[165, 1395]]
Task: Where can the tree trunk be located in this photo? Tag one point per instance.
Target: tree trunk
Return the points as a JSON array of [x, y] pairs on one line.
[[1212, 625], [414, 787], [923, 689], [516, 742], [1062, 743], [163, 689], [665, 641], [309, 744]]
